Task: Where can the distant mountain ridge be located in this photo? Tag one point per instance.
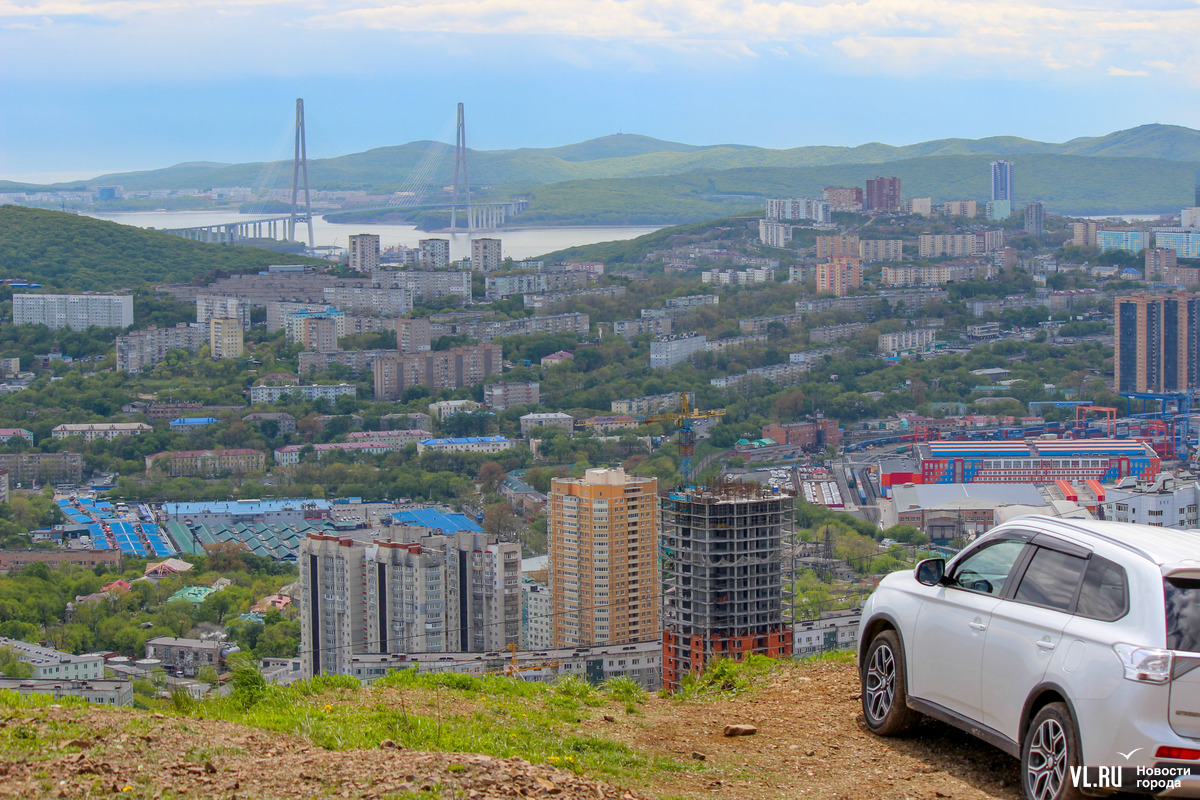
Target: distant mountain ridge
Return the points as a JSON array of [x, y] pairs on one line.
[[634, 156]]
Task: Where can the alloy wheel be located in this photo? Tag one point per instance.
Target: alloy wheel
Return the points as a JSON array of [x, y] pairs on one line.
[[1047, 764], [881, 682]]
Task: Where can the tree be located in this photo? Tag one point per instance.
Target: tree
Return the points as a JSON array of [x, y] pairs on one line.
[[13, 667], [490, 475], [500, 521]]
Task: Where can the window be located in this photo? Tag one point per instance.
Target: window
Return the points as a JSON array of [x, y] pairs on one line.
[[986, 569], [1183, 614], [1104, 595], [1051, 579]]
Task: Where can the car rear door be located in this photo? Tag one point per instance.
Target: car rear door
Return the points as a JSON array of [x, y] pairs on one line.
[[1181, 588], [1027, 629], [945, 655]]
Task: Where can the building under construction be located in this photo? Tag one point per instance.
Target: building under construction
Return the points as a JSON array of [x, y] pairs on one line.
[[722, 552]]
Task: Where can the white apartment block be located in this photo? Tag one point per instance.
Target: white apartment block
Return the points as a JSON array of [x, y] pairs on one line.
[[273, 394], [960, 208], [928, 275], [788, 208], [872, 250], [209, 306], [536, 610], [75, 311], [384, 301], [91, 431], [774, 234], [552, 419], [1165, 502], [732, 277], [650, 403], [364, 252], [413, 592], [906, 340], [48, 663], [671, 350], [512, 394], [960, 244]]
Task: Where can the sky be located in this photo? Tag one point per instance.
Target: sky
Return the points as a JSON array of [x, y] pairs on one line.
[[95, 86]]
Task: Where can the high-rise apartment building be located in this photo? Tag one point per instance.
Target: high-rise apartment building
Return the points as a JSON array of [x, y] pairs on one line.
[[75, 311], [1083, 234], [1158, 261], [364, 252], [844, 198], [839, 275], [209, 306], [1157, 342], [1034, 217], [413, 592], [486, 255], [603, 542], [139, 350], [435, 253], [1002, 181], [875, 250], [883, 194], [722, 576], [960, 208], [1129, 239], [443, 369], [225, 337], [316, 330], [413, 335]]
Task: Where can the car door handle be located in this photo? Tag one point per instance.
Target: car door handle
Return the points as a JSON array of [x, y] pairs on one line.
[[1046, 644], [978, 626]]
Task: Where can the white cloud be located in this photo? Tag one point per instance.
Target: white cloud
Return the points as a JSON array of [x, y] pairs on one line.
[[1118, 72]]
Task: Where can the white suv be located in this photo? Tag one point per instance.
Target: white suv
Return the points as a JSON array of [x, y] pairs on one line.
[[1072, 645]]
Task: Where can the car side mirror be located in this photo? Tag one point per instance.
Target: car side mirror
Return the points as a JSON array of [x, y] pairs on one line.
[[931, 571]]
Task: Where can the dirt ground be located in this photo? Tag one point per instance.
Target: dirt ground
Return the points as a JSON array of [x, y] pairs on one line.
[[809, 743]]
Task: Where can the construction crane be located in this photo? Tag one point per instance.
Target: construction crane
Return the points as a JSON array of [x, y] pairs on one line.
[[683, 420]]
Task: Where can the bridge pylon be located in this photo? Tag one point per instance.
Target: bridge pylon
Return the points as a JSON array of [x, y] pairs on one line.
[[462, 183], [300, 167]]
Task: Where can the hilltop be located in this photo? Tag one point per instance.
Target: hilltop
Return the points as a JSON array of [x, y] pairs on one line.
[[496, 737], [633, 156], [67, 251]]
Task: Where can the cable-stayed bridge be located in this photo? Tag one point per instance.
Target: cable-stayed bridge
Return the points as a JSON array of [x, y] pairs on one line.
[[476, 216]]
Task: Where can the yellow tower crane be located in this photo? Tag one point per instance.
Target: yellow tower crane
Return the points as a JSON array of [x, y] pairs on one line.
[[682, 420]]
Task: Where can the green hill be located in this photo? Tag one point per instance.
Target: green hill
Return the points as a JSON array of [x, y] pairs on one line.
[[65, 251], [632, 156]]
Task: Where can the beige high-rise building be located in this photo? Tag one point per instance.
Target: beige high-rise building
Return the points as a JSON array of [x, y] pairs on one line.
[[364, 252], [486, 255], [225, 337], [603, 542], [413, 335]]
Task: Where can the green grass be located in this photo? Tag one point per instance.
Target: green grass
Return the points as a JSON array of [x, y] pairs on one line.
[[492, 715], [27, 736], [725, 676]]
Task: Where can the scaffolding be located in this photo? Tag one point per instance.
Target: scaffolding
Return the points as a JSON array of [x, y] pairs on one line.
[[722, 556]]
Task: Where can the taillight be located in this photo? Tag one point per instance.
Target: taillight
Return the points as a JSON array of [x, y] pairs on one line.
[[1180, 753], [1144, 664]]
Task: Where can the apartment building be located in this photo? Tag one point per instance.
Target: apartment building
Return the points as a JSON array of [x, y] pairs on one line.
[[656, 326], [434, 253], [550, 419], [316, 330], [1083, 234], [1159, 260], [843, 198], [873, 250], [141, 350], [733, 277], [541, 302], [207, 463], [912, 300], [465, 444], [650, 404], [882, 194], [1129, 239], [1163, 501], [919, 206], [355, 360], [413, 335], [812, 434], [1002, 181], [836, 333], [671, 350], [839, 276], [225, 337], [209, 306], [775, 234], [188, 656], [48, 663], [511, 394], [363, 252], [476, 328], [273, 394], [443, 369], [499, 287], [723, 576], [911, 275], [603, 543], [25, 469], [75, 311], [960, 208], [932, 245], [386, 301], [918, 339], [91, 431], [428, 284], [837, 245], [415, 591], [1155, 346], [797, 208], [486, 255], [1185, 242]]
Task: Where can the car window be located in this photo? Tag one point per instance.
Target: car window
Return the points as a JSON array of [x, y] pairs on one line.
[[986, 569], [1104, 595], [1183, 614], [1051, 579]]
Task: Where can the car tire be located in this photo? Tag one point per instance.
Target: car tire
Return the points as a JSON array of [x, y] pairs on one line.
[[1049, 751], [884, 687]]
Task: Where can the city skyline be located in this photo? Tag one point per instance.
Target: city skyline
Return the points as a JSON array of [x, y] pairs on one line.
[[96, 87]]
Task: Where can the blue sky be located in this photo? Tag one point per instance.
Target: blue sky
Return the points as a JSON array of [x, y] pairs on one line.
[[91, 86]]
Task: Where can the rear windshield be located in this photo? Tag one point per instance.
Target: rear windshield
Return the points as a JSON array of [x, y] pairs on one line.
[[1183, 614]]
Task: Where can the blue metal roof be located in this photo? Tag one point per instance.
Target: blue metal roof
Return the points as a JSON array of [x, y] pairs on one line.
[[194, 421], [431, 518], [238, 507]]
